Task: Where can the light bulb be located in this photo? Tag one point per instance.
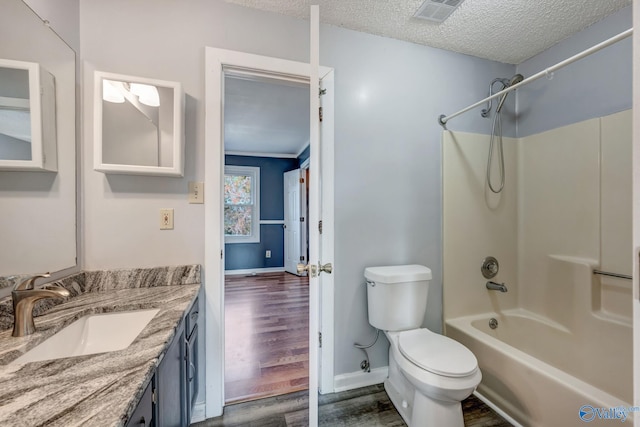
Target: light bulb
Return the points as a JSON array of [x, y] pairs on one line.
[[111, 93]]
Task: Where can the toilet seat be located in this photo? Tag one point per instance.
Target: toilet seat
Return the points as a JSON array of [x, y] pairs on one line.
[[436, 353]]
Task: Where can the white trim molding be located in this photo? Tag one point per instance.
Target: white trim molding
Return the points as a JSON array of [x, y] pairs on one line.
[[272, 222], [253, 271], [271, 155], [352, 380]]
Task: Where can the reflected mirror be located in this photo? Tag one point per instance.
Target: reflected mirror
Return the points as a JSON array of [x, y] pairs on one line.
[[27, 117], [138, 125], [38, 225]]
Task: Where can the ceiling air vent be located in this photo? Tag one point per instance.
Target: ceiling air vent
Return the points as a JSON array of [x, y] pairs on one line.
[[437, 10]]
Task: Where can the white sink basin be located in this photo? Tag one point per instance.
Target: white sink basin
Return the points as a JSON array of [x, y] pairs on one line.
[[97, 333]]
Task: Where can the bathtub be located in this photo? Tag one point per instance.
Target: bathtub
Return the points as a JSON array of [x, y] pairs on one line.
[[541, 374]]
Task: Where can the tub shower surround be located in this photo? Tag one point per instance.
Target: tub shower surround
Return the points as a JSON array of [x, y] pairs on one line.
[[563, 336], [101, 389]]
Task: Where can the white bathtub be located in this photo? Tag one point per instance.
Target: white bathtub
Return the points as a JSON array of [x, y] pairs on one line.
[[541, 374]]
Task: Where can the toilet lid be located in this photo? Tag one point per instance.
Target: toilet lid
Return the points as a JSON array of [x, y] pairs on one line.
[[436, 353]]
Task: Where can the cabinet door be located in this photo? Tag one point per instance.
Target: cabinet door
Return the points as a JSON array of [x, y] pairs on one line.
[[171, 384], [191, 366], [143, 415]]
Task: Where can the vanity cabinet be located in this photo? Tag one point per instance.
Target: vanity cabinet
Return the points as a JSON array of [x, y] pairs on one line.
[[191, 358], [143, 415], [169, 398], [171, 384]]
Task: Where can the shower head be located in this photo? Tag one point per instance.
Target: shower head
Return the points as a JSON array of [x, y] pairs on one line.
[[514, 80]]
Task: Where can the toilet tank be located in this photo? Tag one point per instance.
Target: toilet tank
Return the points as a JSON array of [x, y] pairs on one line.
[[397, 296]]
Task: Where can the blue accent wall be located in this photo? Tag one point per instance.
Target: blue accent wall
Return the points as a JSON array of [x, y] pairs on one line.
[[304, 155], [241, 256]]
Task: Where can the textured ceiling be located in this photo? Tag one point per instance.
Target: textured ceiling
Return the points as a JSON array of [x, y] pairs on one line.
[[509, 31]]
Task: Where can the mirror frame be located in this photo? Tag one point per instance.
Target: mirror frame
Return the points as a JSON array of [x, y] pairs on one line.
[[43, 116], [177, 169]]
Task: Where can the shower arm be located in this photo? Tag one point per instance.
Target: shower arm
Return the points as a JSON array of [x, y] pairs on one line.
[[442, 120], [505, 83]]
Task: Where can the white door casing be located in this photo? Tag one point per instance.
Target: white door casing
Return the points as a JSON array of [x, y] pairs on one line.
[[219, 62]]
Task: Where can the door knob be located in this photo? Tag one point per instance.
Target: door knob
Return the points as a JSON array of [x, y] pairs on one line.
[[312, 269], [301, 268], [327, 268]]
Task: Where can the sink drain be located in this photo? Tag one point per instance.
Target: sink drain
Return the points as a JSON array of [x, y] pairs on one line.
[[493, 323]]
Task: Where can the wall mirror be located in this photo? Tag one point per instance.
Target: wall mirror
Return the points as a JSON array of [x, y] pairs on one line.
[[38, 226], [27, 117], [138, 125]]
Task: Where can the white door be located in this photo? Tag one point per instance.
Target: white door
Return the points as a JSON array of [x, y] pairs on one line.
[[320, 195], [293, 221]]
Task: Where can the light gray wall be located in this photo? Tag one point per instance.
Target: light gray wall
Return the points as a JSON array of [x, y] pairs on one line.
[[595, 86], [63, 16], [388, 177]]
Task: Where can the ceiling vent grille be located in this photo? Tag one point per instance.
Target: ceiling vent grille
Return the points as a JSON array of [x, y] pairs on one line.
[[437, 10]]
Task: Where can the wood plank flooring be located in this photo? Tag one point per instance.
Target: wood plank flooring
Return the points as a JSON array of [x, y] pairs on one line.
[[363, 407], [266, 335], [267, 355]]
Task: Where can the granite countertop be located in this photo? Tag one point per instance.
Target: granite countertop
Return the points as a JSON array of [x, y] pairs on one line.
[[94, 390]]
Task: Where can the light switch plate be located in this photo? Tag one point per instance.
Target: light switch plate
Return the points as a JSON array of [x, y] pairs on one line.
[[166, 219], [196, 192]]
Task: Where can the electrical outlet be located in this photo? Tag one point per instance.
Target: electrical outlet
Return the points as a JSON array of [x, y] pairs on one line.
[[166, 219], [196, 192], [267, 254]]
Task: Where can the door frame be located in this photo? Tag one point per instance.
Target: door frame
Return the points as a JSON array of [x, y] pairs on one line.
[[217, 62]]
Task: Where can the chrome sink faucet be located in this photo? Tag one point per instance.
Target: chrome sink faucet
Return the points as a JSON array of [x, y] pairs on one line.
[[493, 286], [24, 297]]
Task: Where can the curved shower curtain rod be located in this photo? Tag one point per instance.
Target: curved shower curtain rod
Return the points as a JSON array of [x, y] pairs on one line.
[[442, 120]]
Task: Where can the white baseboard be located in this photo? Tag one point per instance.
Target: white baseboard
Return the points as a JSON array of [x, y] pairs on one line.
[[254, 271], [500, 412], [198, 413], [359, 379]]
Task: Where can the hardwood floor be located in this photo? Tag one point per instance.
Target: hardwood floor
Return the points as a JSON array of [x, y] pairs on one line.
[[267, 354], [363, 407], [266, 335]]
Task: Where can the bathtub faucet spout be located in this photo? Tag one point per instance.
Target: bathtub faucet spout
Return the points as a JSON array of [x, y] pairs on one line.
[[493, 286]]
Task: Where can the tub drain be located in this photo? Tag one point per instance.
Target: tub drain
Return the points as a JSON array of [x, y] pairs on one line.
[[493, 323]]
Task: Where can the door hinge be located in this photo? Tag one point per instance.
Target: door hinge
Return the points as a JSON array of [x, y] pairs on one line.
[[320, 113], [221, 256], [320, 227], [320, 339], [153, 396], [323, 92], [301, 257], [301, 180], [301, 219]]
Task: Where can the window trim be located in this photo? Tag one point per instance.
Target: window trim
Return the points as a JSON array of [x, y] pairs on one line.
[[254, 172]]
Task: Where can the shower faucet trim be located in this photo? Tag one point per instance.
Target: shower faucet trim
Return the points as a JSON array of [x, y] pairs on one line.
[[493, 286]]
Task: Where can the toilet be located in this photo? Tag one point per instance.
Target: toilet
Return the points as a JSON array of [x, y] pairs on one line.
[[429, 374]]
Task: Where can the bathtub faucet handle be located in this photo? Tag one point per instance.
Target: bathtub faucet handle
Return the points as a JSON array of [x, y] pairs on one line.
[[493, 286]]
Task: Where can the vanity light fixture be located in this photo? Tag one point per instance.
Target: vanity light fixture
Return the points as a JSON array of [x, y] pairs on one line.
[[116, 92], [147, 94], [111, 93]]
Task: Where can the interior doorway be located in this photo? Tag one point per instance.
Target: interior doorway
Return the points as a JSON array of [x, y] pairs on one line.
[[266, 137], [221, 62]]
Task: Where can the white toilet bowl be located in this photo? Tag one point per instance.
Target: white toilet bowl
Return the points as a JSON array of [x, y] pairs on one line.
[[430, 394], [429, 374]]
